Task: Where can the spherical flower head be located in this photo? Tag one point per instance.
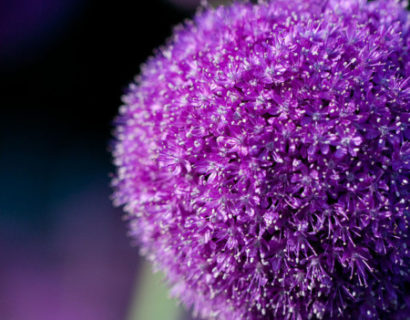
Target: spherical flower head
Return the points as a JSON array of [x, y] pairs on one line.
[[263, 160]]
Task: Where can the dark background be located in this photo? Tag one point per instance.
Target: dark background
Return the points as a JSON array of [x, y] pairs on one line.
[[63, 68]]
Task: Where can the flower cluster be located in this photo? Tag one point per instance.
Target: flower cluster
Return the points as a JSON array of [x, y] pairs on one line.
[[263, 160]]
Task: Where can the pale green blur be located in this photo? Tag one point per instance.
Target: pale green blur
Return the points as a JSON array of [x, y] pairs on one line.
[[151, 298]]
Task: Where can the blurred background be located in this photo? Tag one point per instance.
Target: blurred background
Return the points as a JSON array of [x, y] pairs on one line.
[[64, 250]]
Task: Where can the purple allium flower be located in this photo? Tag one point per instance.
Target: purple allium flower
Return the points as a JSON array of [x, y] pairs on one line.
[[263, 160]]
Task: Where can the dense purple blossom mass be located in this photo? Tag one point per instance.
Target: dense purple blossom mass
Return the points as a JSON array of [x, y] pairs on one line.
[[263, 160]]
